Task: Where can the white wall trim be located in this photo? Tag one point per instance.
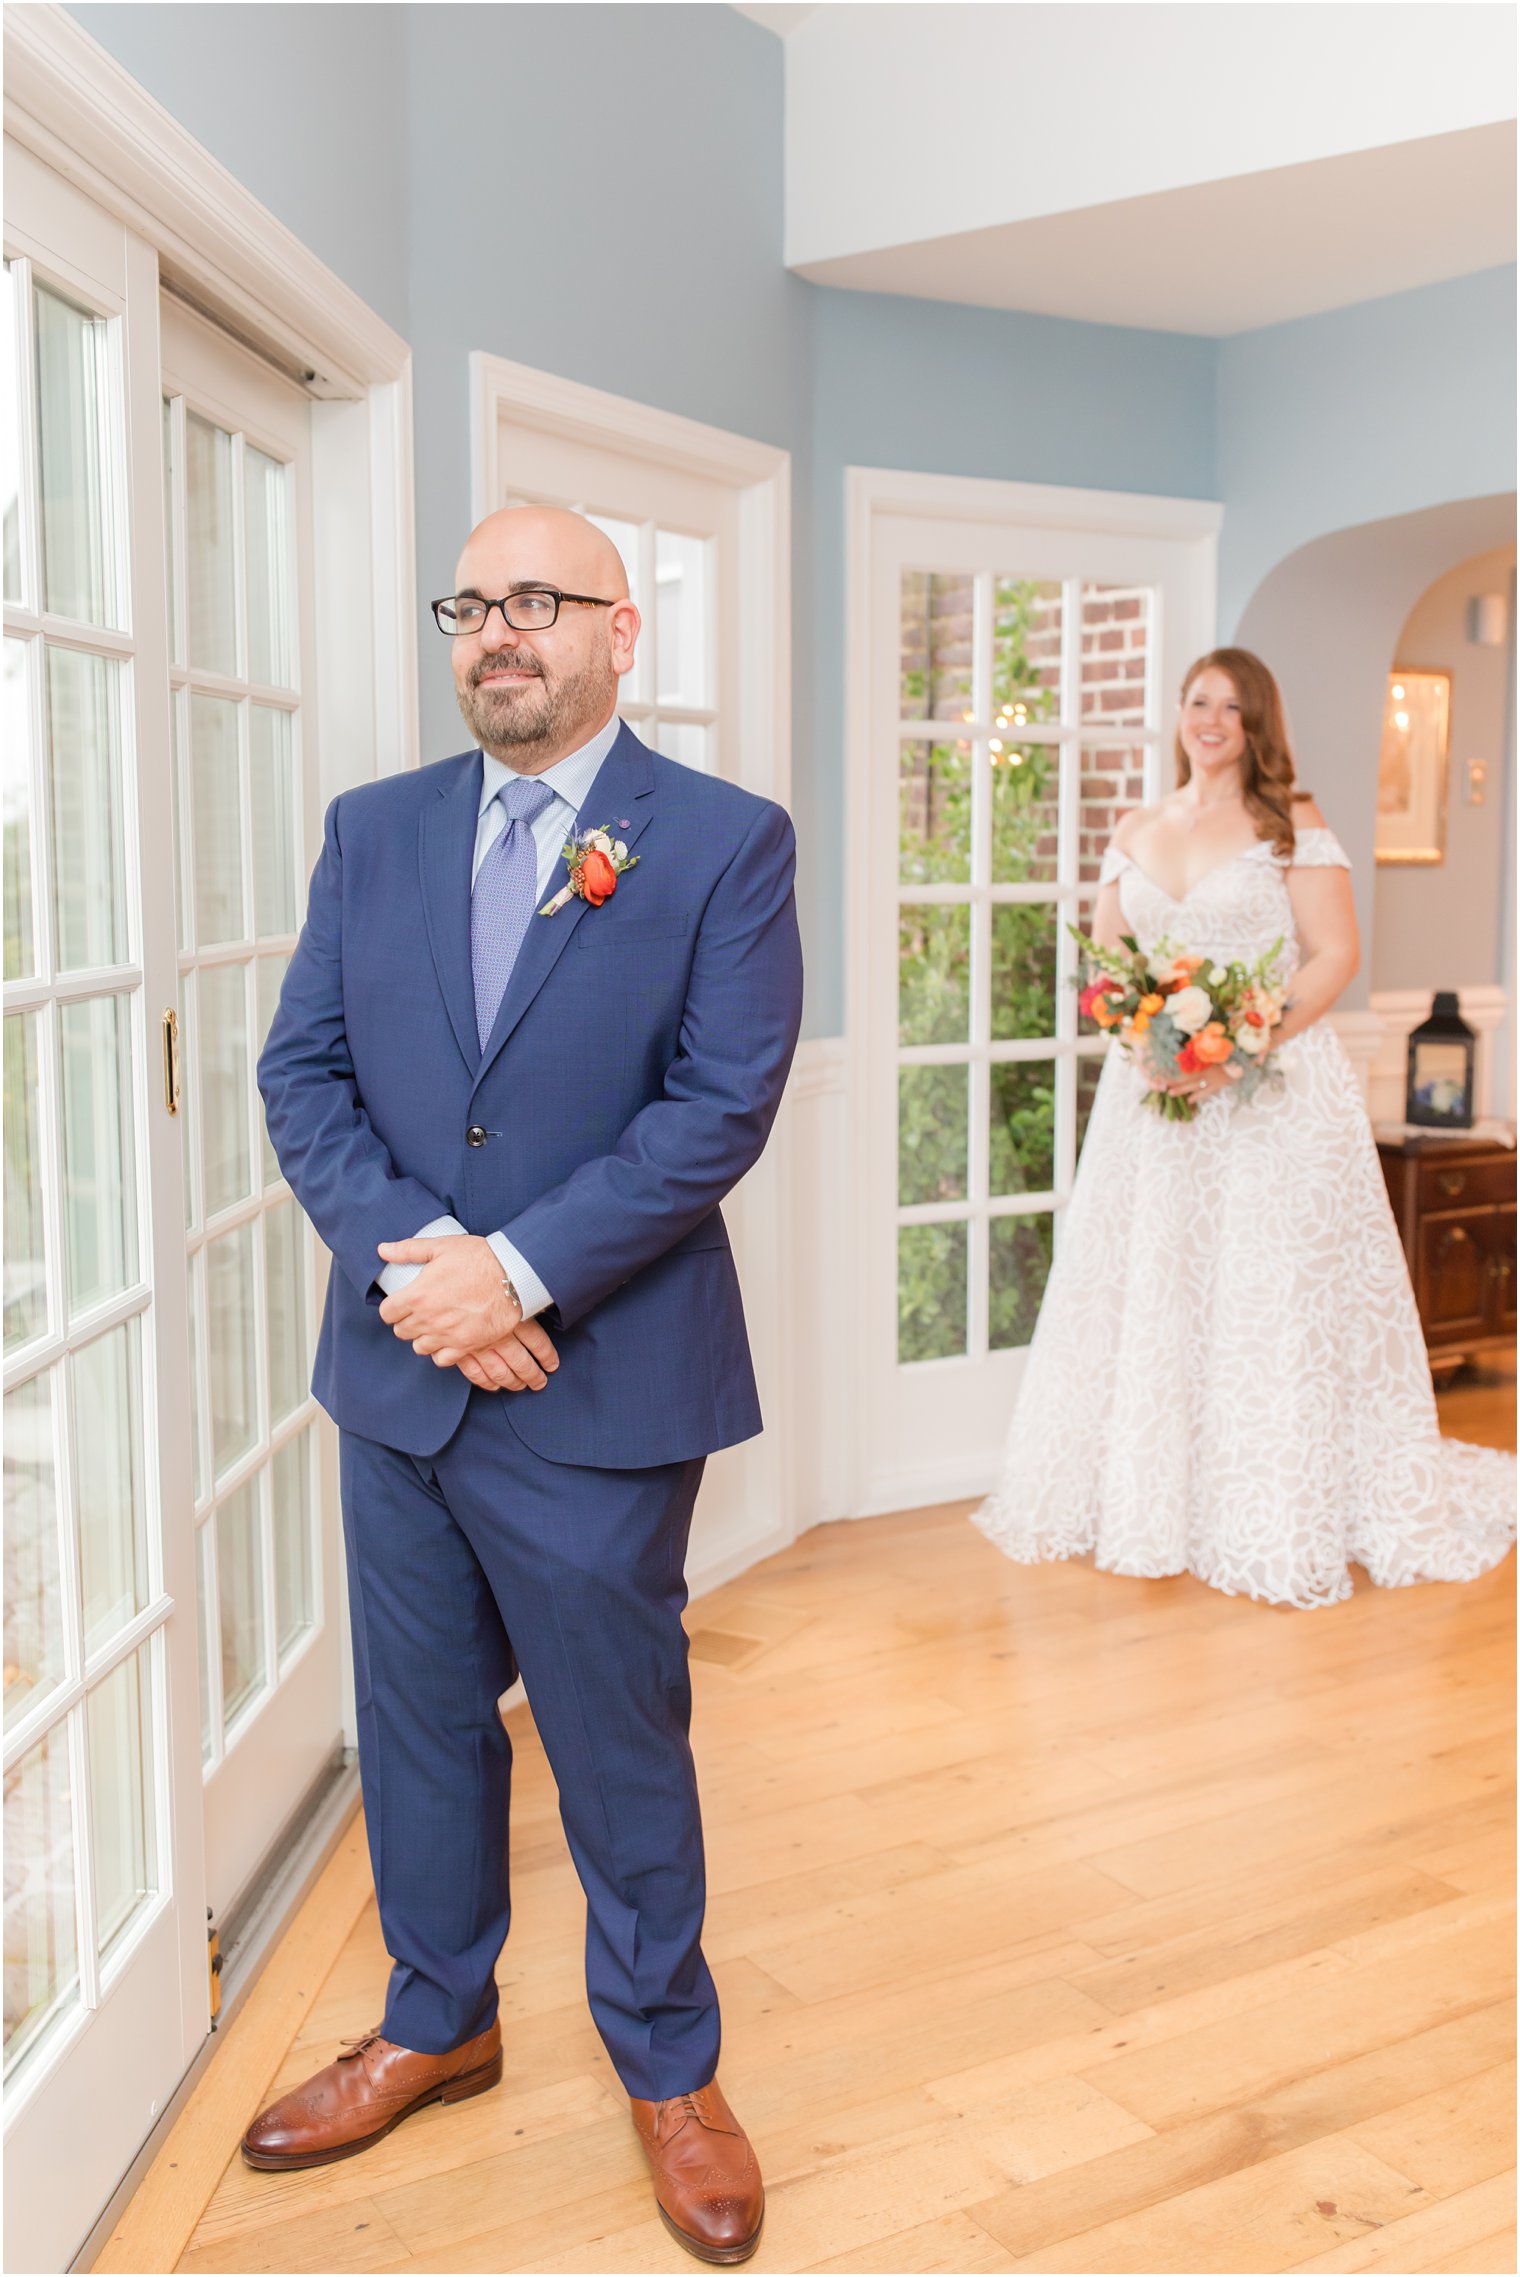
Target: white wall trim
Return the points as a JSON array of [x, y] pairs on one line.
[[874, 1477], [76, 109], [1485, 1008], [1033, 505], [87, 118], [759, 472], [821, 1069], [592, 415], [771, 1501], [1361, 1035]]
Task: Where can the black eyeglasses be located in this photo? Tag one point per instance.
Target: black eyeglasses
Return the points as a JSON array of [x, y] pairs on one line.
[[532, 608]]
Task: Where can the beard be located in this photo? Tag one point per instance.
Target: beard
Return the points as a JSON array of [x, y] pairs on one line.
[[544, 711]]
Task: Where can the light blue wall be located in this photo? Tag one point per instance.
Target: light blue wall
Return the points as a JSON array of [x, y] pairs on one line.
[[1328, 621], [597, 190], [1448, 916], [640, 148], [305, 104], [1367, 412]]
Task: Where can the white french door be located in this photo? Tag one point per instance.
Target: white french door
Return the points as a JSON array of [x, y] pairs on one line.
[[172, 1669], [691, 513], [1018, 697], [237, 507], [105, 1960]]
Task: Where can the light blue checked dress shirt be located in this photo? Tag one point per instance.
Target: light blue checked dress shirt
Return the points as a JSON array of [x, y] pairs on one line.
[[570, 780]]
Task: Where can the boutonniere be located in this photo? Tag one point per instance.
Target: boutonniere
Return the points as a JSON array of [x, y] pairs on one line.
[[597, 860]]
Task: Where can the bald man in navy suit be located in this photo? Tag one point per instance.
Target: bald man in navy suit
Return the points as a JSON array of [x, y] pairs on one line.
[[537, 1026]]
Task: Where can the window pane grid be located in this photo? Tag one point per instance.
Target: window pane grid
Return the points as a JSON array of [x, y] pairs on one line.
[[298, 1596], [240, 909], [248, 1466], [268, 1582], [233, 689], [1000, 672], [78, 470], [28, 919], [997, 1053], [671, 695], [119, 1726], [84, 1858], [210, 1662], [44, 1932], [22, 567], [85, 1384]]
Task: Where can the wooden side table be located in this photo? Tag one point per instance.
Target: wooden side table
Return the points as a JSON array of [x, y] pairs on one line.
[[1454, 1205]]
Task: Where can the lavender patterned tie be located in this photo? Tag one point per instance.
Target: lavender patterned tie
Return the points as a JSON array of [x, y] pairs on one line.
[[501, 906]]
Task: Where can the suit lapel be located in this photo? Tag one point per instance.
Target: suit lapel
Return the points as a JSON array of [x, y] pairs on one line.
[[445, 852], [621, 791]]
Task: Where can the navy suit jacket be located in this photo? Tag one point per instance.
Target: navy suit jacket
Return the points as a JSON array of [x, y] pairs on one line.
[[631, 1079]]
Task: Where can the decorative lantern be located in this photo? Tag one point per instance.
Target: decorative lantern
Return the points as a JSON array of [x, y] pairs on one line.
[[1439, 1090]]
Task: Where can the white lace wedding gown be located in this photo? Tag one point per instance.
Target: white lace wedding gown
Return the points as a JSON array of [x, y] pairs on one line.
[[1228, 1376]]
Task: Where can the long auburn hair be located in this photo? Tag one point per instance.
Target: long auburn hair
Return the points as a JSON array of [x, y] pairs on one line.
[[1268, 763]]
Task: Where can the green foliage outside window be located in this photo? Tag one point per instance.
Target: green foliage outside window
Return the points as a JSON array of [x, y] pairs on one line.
[[934, 945]]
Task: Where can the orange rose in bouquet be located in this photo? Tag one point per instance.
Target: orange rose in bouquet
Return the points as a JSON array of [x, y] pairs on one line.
[[1177, 1015]]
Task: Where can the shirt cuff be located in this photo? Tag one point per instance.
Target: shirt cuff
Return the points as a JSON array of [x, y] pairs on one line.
[[534, 1296], [396, 1276]]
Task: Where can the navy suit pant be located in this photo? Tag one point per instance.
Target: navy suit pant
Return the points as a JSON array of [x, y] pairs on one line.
[[457, 1564]]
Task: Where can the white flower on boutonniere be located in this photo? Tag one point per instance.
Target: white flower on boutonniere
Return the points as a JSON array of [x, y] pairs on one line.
[[597, 860]]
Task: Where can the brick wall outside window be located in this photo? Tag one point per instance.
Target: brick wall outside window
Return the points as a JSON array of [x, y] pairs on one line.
[[1115, 634]]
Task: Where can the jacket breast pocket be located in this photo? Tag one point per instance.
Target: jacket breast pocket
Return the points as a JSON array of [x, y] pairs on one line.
[[628, 932]]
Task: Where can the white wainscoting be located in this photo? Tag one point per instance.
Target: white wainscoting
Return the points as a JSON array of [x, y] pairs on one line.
[[1395, 1011], [809, 1379], [822, 1385], [823, 1289]]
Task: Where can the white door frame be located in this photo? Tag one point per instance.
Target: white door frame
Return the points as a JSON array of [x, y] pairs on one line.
[[77, 110], [759, 472], [872, 493], [219, 249], [760, 476]]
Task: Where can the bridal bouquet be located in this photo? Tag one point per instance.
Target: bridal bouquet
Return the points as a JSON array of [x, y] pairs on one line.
[[1179, 1015]]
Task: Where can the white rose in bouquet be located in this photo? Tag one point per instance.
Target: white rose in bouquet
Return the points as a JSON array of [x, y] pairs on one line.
[[1253, 1041], [1190, 1009]]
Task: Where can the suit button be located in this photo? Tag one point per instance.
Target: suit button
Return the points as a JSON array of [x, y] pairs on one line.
[[474, 1136]]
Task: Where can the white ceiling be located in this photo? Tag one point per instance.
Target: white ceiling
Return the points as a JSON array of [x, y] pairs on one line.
[[1226, 256], [1202, 168], [779, 20]]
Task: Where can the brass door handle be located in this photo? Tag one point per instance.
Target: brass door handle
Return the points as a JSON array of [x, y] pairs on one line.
[[171, 1060]]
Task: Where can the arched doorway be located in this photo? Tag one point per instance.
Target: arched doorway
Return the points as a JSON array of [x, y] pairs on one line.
[[1330, 619]]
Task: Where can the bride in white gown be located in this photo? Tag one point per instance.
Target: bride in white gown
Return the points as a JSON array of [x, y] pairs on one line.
[[1228, 1377]]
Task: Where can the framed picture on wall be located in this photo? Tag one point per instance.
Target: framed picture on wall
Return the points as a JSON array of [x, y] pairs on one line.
[[1411, 800]]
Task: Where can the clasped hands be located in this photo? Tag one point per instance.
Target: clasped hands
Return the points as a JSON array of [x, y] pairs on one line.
[[457, 1314], [1203, 1085]]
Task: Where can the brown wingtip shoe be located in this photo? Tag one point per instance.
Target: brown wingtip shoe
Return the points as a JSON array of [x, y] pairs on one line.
[[706, 2177], [368, 2089]]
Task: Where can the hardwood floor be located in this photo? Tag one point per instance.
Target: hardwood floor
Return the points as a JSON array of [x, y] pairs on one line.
[[1062, 1922]]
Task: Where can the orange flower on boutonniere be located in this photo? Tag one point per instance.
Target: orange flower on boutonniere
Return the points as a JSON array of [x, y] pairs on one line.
[[597, 860]]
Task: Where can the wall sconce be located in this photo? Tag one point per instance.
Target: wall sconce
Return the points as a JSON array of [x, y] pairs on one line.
[[1488, 620]]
